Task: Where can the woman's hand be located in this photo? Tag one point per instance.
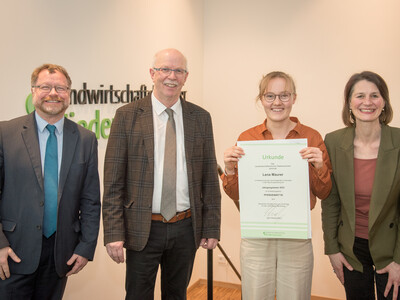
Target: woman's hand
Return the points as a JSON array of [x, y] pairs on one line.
[[337, 262], [313, 155], [231, 157], [393, 279]]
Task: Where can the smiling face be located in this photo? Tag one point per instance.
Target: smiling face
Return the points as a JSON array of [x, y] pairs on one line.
[[167, 88], [366, 102], [51, 105], [278, 111]]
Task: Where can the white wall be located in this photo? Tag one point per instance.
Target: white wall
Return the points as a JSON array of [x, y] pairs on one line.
[[98, 42], [229, 44]]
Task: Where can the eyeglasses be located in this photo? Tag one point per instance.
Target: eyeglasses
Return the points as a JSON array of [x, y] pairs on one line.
[[270, 97], [44, 88], [167, 71]]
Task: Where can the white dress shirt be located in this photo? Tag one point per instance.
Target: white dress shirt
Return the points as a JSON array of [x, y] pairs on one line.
[[160, 118]]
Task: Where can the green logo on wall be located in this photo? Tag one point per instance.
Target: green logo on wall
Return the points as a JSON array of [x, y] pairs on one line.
[[98, 126], [28, 104]]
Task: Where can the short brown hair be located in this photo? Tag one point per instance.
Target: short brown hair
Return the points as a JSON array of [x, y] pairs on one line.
[[52, 69], [275, 74], [385, 117]]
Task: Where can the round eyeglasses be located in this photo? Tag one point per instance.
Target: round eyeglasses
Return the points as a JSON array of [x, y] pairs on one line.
[[270, 97]]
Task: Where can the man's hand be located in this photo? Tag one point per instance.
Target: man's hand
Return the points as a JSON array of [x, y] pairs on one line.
[[4, 254], [393, 280], [337, 262], [116, 251], [208, 243], [78, 262]]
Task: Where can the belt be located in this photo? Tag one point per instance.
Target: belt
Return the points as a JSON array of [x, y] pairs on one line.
[[178, 217]]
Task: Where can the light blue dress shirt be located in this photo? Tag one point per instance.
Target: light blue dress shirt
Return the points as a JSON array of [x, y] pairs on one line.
[[43, 135]]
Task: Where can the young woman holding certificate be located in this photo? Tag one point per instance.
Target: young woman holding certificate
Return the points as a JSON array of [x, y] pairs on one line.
[[281, 267], [360, 217]]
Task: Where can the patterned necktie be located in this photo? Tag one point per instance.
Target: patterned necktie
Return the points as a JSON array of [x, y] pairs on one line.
[[168, 196], [50, 183]]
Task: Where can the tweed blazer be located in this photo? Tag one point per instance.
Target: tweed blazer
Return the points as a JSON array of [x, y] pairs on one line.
[[22, 194], [129, 174], [338, 210]]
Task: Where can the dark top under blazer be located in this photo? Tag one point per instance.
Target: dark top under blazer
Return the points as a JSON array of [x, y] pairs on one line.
[[129, 174], [22, 194], [338, 210]]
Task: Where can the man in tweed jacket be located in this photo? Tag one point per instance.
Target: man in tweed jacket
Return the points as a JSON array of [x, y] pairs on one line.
[[133, 175]]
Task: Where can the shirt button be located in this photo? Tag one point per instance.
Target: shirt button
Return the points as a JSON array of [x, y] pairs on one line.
[[38, 227]]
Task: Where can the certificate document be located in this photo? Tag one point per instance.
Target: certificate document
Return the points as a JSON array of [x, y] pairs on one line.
[[274, 190]]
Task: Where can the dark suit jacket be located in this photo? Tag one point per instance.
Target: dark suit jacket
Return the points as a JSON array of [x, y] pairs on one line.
[[338, 210], [22, 194], [129, 174]]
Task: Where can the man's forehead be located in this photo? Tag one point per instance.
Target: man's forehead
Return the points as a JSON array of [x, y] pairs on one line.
[[44, 74], [168, 58]]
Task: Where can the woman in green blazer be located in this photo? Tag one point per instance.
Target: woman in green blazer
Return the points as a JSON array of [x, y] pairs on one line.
[[360, 218]]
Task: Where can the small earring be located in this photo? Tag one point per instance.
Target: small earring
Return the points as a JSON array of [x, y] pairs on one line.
[[383, 109], [350, 111]]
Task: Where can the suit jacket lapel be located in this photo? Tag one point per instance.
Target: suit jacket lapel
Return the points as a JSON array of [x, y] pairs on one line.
[[345, 173], [384, 174], [70, 139], [189, 123], [145, 121], [31, 140]]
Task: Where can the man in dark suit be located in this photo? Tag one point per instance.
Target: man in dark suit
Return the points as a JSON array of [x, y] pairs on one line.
[[141, 177], [49, 193]]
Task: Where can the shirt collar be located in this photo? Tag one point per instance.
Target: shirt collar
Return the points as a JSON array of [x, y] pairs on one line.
[[159, 108], [263, 127], [41, 124]]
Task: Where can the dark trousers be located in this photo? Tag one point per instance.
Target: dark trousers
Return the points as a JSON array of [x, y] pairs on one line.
[[172, 247], [43, 284], [360, 286]]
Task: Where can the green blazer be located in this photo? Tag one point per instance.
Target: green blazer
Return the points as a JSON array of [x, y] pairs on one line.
[[338, 210]]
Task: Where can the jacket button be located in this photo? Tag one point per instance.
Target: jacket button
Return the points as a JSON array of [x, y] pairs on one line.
[[391, 225], [38, 227], [41, 203]]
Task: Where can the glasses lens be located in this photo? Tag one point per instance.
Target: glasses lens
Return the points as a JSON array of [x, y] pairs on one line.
[[45, 88], [61, 89], [284, 97], [179, 72], [270, 97], [165, 71]]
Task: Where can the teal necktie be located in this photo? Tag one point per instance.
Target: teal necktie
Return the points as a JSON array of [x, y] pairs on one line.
[[50, 183]]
